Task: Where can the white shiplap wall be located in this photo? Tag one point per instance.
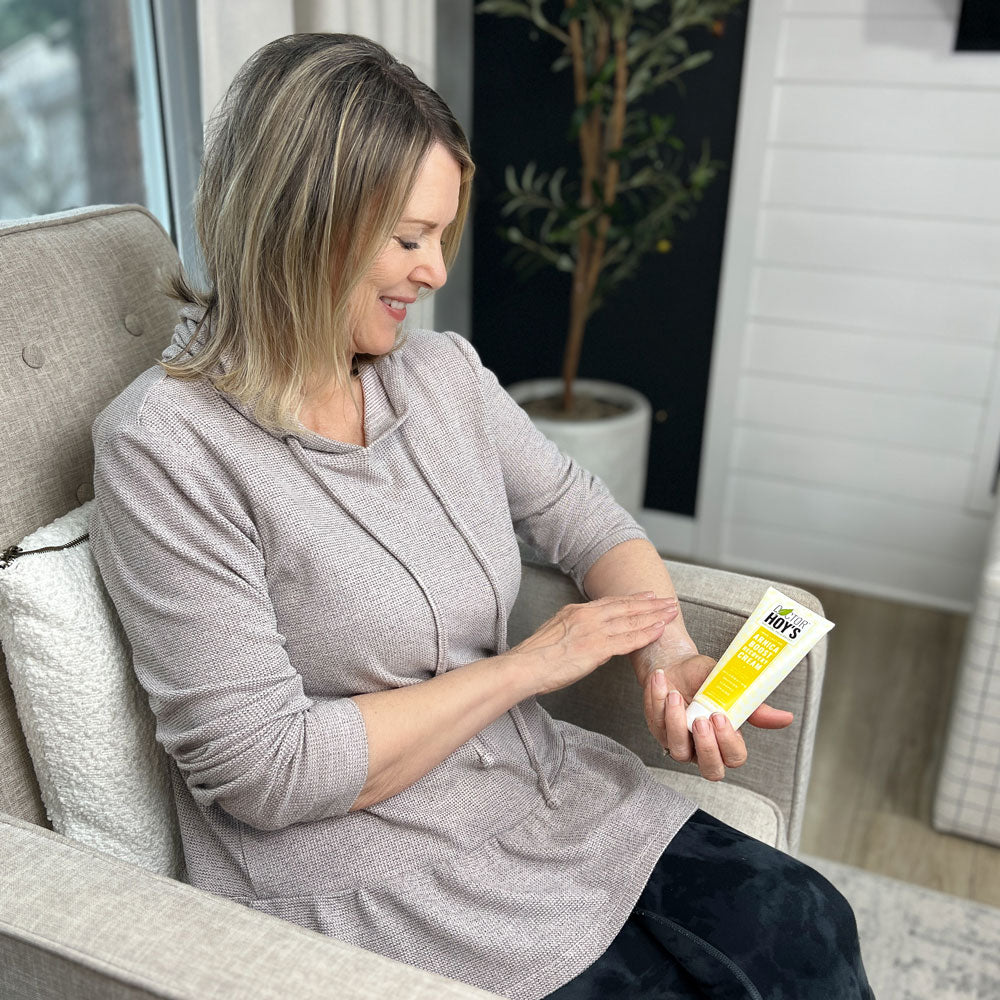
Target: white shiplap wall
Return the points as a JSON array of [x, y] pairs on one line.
[[854, 412]]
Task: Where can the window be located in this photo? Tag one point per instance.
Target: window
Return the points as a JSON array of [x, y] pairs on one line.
[[69, 107], [99, 104]]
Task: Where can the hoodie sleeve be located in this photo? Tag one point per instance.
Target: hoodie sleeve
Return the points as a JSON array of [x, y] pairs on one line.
[[184, 568], [557, 506]]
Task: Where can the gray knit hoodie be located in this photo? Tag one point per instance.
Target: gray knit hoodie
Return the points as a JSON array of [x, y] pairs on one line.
[[265, 578]]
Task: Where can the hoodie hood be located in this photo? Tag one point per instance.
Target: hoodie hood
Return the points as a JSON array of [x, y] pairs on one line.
[[382, 381]]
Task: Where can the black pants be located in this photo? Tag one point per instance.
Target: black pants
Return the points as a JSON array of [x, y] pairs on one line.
[[726, 917]]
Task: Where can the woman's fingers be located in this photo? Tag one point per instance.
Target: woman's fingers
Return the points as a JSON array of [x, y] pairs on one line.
[[631, 624], [581, 637], [714, 745], [665, 713], [717, 746], [731, 746], [654, 701], [766, 717], [678, 738], [707, 750], [638, 620], [617, 606]]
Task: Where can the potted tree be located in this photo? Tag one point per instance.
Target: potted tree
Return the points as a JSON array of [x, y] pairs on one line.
[[597, 219]]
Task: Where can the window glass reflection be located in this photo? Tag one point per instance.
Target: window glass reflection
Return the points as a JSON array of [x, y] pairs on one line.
[[68, 109]]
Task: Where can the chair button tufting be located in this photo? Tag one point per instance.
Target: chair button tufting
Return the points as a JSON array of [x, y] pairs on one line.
[[85, 492], [134, 325], [33, 356]]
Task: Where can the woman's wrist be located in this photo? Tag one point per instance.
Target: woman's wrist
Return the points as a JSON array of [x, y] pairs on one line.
[[663, 654], [524, 673]]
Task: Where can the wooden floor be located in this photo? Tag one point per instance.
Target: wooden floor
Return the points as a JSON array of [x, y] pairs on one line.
[[883, 718]]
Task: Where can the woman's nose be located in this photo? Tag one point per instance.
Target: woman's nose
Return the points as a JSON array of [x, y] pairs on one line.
[[431, 271]]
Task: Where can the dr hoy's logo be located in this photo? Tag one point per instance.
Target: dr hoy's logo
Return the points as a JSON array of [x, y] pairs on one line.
[[786, 623]]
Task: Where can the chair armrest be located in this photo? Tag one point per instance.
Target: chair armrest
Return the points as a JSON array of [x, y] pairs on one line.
[[715, 604], [77, 922]]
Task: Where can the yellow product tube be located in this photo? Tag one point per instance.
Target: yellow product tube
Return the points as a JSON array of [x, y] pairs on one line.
[[775, 638]]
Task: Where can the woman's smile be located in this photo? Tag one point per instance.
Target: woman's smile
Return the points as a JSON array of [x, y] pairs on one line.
[[396, 307], [412, 259]]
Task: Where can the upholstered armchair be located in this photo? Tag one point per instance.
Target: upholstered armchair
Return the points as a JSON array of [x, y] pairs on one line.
[[82, 317]]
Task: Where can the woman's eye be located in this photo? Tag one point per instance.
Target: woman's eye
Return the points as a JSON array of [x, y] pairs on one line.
[[407, 244]]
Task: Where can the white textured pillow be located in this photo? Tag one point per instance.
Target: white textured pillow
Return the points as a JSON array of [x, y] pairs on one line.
[[86, 720]]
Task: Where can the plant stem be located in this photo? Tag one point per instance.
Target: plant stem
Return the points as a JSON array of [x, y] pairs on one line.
[[612, 163], [590, 143], [590, 251]]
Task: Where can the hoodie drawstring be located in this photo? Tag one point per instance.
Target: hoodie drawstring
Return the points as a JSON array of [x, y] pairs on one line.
[[299, 452], [500, 630], [551, 799]]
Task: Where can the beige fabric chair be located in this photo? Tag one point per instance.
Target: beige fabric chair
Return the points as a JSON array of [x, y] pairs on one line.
[[81, 319]]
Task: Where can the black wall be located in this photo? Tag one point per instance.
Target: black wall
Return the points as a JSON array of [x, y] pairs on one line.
[[655, 332], [978, 27]]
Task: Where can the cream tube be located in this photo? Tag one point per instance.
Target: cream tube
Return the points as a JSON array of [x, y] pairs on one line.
[[775, 638]]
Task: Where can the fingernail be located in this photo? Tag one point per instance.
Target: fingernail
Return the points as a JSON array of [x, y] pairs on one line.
[[701, 726], [674, 698], [659, 681], [720, 720]]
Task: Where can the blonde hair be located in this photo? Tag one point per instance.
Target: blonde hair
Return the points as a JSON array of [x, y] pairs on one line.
[[308, 165]]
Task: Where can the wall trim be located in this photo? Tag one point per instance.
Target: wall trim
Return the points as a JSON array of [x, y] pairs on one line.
[[759, 60]]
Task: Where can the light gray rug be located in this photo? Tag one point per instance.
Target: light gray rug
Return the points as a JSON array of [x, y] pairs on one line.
[[919, 944]]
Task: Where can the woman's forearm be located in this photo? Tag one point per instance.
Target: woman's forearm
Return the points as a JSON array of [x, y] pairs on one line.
[[634, 566], [412, 729]]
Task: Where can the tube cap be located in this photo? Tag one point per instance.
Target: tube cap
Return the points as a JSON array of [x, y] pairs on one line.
[[697, 711]]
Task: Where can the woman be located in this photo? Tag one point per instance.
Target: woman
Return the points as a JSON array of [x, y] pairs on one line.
[[309, 523]]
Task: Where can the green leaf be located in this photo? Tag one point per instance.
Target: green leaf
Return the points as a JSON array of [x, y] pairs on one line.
[[555, 187], [504, 8], [785, 611]]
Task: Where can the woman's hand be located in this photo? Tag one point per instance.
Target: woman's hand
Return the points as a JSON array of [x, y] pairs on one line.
[[580, 637], [714, 745]]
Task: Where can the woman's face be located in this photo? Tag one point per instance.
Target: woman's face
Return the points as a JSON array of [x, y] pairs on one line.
[[412, 259]]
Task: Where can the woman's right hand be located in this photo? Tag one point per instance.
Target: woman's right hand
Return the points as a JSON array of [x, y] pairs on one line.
[[580, 637]]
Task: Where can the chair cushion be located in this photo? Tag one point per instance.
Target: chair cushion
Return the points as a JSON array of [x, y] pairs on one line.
[[86, 721], [749, 812]]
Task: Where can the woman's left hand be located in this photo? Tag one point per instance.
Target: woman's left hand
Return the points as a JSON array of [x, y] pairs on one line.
[[714, 745]]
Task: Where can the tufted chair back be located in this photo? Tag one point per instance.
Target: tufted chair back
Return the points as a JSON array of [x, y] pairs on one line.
[[81, 318]]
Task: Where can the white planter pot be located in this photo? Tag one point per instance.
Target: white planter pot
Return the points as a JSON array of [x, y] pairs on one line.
[[615, 449]]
